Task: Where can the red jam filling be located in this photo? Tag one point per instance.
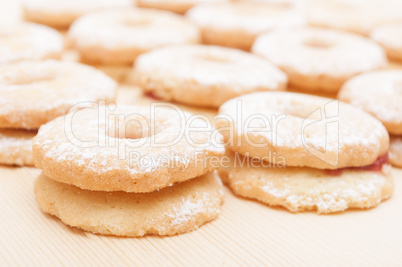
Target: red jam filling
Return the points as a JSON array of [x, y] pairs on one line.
[[151, 95], [376, 166]]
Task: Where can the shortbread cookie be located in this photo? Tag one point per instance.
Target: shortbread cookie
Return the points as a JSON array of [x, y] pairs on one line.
[[205, 75], [303, 189], [380, 94], [358, 16], [60, 13], [29, 41], [237, 24], [35, 92], [320, 59], [16, 147], [177, 6], [395, 150], [302, 130], [175, 210], [126, 33], [389, 36], [130, 148]]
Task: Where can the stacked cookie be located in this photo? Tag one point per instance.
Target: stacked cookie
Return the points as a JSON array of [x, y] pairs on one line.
[[379, 93], [304, 152], [129, 171], [35, 92]]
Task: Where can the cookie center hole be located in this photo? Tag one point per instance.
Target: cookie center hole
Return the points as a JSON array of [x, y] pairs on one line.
[[25, 80], [317, 43], [137, 22], [250, 9], [214, 58], [131, 127]]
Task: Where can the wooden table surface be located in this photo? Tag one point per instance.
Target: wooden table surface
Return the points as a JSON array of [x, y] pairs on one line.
[[245, 233]]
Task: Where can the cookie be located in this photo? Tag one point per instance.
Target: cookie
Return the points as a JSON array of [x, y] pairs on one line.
[[237, 24], [299, 130], [378, 93], [304, 189], [204, 76], [395, 150], [175, 210], [60, 14], [29, 41], [177, 6], [128, 148], [320, 59], [389, 36], [357, 16], [35, 92], [16, 147], [127, 33]]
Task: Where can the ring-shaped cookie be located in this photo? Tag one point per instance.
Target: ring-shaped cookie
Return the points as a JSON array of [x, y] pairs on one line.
[[29, 41], [237, 24], [129, 148], [320, 59], [300, 130], [378, 93], [35, 92], [60, 13], [389, 36], [127, 33], [205, 75]]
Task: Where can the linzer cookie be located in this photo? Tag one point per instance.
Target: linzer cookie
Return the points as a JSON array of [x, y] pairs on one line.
[[379, 93], [304, 152], [129, 171]]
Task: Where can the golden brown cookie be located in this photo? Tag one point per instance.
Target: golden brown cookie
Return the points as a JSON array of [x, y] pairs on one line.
[[177, 6], [27, 41], [395, 150], [16, 147], [378, 93], [237, 24], [175, 210], [35, 92], [127, 33], [302, 130], [358, 16], [60, 13], [128, 148], [304, 189], [205, 76], [389, 36], [320, 59]]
